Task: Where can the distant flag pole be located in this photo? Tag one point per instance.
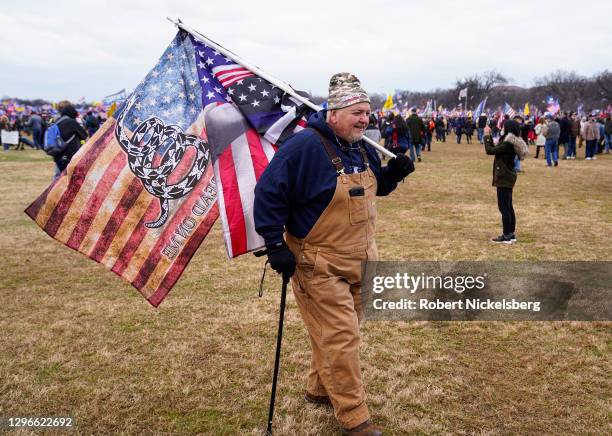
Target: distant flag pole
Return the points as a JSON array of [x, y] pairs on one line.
[[276, 82]]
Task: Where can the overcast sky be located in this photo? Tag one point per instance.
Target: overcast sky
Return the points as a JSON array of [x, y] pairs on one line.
[[72, 49]]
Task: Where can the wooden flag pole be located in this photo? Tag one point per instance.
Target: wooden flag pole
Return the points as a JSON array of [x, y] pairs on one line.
[[253, 69]]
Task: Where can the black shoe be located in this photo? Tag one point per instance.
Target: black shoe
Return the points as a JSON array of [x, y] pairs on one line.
[[556, 163], [419, 158], [512, 237], [502, 239]]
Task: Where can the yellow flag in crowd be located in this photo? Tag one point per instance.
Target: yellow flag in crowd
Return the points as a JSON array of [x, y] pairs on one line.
[[389, 103], [526, 110], [111, 110]]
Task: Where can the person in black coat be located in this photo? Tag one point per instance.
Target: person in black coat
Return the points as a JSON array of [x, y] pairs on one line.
[[564, 135], [469, 129], [504, 175], [71, 132]]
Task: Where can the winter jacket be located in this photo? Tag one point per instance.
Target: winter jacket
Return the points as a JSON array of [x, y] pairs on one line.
[[300, 181], [402, 141], [469, 127], [36, 122], [564, 130], [540, 140], [590, 131], [482, 121], [459, 125], [416, 128], [574, 128], [72, 132], [504, 175], [552, 131]]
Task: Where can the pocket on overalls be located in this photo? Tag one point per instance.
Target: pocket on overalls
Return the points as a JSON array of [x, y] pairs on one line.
[[357, 210], [306, 263], [357, 205]]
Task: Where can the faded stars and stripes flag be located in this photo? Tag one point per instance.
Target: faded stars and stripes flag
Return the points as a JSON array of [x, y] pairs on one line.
[[140, 195], [246, 118]]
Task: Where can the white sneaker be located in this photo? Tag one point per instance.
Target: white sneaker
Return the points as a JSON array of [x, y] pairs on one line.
[[588, 158], [594, 157]]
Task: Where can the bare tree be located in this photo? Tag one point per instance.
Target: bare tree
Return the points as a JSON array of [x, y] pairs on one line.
[[568, 86], [603, 81], [479, 86]]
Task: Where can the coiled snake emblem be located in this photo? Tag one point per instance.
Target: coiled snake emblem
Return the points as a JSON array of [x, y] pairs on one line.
[[153, 136]]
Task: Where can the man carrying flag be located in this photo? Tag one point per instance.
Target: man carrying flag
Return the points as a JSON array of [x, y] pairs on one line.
[[315, 208]]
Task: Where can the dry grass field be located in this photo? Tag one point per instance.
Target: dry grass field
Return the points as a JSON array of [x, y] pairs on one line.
[[77, 340]]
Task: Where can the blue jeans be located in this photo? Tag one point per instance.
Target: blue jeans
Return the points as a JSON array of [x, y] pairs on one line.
[[591, 148], [517, 163], [414, 147], [565, 149], [572, 147], [551, 150], [608, 140], [38, 138], [480, 134]]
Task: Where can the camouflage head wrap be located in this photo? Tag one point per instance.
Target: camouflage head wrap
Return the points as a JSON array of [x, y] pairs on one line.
[[345, 90]]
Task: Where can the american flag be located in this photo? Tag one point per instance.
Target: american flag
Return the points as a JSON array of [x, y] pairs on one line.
[[552, 105], [509, 111], [500, 120], [246, 118]]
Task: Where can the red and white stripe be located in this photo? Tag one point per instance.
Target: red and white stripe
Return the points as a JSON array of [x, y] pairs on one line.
[[98, 207], [230, 74], [237, 171]]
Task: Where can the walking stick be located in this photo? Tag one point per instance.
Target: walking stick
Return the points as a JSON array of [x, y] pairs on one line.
[[279, 339]]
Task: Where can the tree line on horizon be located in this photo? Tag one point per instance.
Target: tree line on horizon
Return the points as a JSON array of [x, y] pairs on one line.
[[571, 90]]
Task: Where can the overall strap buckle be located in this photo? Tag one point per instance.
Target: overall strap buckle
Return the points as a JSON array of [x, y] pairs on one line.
[[331, 152]]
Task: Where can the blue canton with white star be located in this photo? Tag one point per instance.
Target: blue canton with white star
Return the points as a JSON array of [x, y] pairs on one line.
[[171, 91]]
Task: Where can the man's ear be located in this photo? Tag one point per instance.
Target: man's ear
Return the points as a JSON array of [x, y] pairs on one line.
[[332, 116]]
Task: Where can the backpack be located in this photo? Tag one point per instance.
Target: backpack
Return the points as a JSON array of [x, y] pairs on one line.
[[54, 143]]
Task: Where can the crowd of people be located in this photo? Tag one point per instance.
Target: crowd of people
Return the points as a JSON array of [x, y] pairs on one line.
[[415, 133], [32, 125]]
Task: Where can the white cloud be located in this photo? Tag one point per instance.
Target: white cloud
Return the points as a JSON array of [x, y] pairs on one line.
[[67, 49]]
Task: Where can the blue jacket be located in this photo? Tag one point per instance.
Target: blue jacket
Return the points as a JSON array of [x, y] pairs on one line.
[[402, 140], [300, 181]]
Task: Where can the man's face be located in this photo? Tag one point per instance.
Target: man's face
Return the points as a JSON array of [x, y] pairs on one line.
[[349, 123]]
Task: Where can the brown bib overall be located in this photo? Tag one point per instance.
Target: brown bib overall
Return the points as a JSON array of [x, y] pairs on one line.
[[327, 288]]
